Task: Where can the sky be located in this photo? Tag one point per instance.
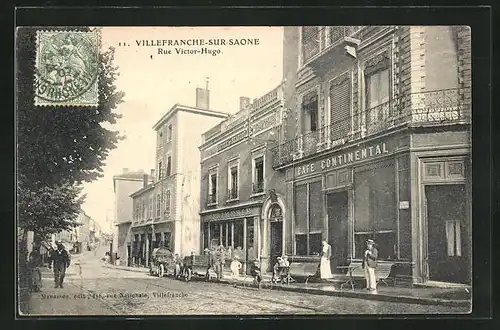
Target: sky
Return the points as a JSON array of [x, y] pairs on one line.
[[154, 82]]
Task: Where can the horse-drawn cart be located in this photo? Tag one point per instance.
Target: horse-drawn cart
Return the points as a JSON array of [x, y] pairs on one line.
[[197, 265], [162, 262]]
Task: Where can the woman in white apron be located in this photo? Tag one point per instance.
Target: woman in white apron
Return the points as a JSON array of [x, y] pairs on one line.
[[324, 268]]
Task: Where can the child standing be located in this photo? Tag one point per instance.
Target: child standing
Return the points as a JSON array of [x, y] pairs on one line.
[[235, 268]]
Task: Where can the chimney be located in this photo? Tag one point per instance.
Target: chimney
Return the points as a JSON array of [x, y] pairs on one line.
[[202, 98], [145, 181], [244, 102], [125, 170]]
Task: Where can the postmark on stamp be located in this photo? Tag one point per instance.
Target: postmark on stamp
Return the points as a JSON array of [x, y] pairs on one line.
[[66, 69]]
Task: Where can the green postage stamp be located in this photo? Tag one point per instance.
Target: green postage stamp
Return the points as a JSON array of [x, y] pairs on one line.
[[66, 69]]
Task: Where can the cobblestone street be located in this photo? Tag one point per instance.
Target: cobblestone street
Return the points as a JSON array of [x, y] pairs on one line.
[[98, 290]]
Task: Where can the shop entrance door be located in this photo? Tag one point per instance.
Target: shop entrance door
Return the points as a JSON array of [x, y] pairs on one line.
[[337, 208], [276, 240], [448, 237]]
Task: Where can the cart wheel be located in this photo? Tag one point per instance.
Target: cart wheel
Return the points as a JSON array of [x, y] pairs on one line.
[[187, 275], [161, 271], [151, 271]]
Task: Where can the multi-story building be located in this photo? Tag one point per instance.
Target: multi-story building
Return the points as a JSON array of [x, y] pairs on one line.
[[171, 216], [125, 184], [236, 176], [378, 145]]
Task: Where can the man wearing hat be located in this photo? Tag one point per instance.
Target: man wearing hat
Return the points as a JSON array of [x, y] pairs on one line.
[[61, 260], [369, 264]]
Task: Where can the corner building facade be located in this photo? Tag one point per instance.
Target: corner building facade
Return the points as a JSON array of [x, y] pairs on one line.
[[378, 144]]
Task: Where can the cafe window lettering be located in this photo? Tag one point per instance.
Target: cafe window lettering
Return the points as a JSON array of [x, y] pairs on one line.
[[374, 210], [308, 219]]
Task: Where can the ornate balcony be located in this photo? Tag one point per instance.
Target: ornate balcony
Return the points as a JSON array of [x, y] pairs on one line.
[[322, 44], [434, 108]]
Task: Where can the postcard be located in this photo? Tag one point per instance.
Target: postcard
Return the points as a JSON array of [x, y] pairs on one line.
[[244, 170]]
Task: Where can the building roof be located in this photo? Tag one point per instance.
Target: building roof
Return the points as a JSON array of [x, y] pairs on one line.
[[179, 107], [130, 176], [142, 190]]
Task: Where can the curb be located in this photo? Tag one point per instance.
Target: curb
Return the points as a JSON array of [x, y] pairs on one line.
[[361, 295], [338, 293]]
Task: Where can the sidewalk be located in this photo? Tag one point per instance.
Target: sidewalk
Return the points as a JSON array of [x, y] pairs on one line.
[[412, 295], [70, 300]]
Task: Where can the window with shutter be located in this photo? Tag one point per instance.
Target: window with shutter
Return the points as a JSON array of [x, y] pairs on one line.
[[377, 98], [340, 107], [310, 112], [158, 205], [167, 202], [169, 166]]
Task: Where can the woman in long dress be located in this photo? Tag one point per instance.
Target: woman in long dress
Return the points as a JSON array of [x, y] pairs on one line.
[[326, 253]]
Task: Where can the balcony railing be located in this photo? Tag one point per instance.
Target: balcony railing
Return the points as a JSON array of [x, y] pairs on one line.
[[438, 107], [236, 119], [317, 41]]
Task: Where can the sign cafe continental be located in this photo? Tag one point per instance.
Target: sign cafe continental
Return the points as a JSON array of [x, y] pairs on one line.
[[345, 158]]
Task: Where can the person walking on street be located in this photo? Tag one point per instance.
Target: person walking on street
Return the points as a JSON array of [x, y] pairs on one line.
[[61, 260], [369, 264]]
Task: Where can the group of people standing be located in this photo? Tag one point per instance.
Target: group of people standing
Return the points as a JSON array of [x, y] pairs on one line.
[[369, 263]]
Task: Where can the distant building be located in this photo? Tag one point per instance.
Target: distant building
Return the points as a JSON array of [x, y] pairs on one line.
[[125, 184], [77, 238], [167, 212]]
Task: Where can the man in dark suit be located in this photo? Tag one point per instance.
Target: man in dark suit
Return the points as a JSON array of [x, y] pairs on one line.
[[61, 260], [369, 265]]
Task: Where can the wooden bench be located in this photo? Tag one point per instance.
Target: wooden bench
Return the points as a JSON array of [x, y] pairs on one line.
[[304, 266], [356, 271]]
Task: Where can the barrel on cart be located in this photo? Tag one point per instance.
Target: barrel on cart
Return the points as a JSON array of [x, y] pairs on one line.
[[198, 266], [162, 262]]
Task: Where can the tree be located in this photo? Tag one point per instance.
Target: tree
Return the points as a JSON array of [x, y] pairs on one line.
[[59, 148]]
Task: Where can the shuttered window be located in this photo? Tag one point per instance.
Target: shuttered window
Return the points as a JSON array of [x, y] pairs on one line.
[[310, 112], [340, 107]]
